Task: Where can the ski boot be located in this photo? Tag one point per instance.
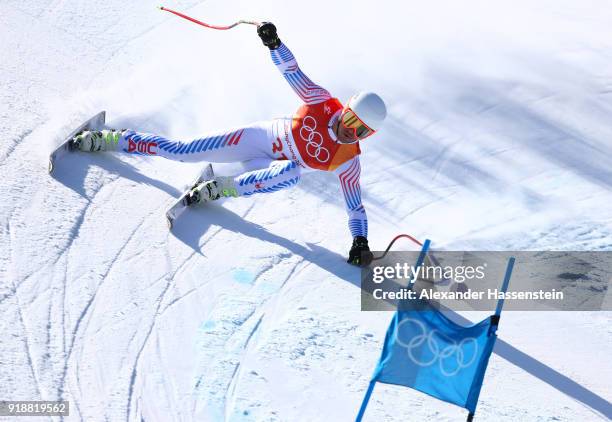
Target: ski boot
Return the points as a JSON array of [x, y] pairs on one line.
[[203, 192], [96, 140], [211, 190]]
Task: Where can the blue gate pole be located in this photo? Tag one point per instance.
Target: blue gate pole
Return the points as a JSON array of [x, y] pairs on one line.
[[504, 288], [365, 401], [419, 261]]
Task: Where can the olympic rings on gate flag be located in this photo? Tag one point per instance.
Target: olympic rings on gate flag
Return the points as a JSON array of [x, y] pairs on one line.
[[424, 349], [314, 140]]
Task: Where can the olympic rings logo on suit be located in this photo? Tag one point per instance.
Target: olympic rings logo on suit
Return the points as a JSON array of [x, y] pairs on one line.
[[314, 140], [452, 354]]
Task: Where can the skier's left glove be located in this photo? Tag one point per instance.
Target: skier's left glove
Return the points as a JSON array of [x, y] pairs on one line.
[[267, 33], [360, 254]]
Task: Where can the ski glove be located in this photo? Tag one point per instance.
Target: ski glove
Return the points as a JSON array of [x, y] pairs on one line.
[[267, 33], [360, 254]]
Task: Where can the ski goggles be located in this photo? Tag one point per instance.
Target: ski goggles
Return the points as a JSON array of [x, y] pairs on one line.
[[350, 120]]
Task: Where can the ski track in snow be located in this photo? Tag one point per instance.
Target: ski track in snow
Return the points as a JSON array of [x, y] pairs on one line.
[[497, 138], [85, 313], [11, 147], [152, 326], [229, 395], [27, 344]]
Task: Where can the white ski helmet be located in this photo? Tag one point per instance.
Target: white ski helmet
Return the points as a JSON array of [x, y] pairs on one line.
[[369, 108]]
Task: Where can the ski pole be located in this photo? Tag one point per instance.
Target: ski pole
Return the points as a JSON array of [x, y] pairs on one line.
[[430, 255], [394, 240], [221, 28]]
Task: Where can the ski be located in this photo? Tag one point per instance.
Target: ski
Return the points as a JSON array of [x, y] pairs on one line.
[[96, 122], [180, 205]]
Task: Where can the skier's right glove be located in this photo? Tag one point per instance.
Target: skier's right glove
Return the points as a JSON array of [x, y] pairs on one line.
[[360, 254], [267, 33]]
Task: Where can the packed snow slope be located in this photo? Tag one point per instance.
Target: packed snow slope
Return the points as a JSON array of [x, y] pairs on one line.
[[498, 137]]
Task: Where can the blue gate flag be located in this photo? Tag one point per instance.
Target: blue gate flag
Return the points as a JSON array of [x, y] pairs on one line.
[[427, 351]]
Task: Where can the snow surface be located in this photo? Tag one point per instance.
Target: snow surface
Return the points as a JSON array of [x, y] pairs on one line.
[[498, 138]]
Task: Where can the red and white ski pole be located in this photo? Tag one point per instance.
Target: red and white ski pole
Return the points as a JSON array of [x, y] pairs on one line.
[[407, 236], [207, 25], [414, 240]]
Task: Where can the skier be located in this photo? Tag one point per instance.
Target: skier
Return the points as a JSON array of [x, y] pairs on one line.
[[322, 135]]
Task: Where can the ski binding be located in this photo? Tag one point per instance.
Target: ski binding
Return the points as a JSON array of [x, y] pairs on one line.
[[96, 122], [181, 204]]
